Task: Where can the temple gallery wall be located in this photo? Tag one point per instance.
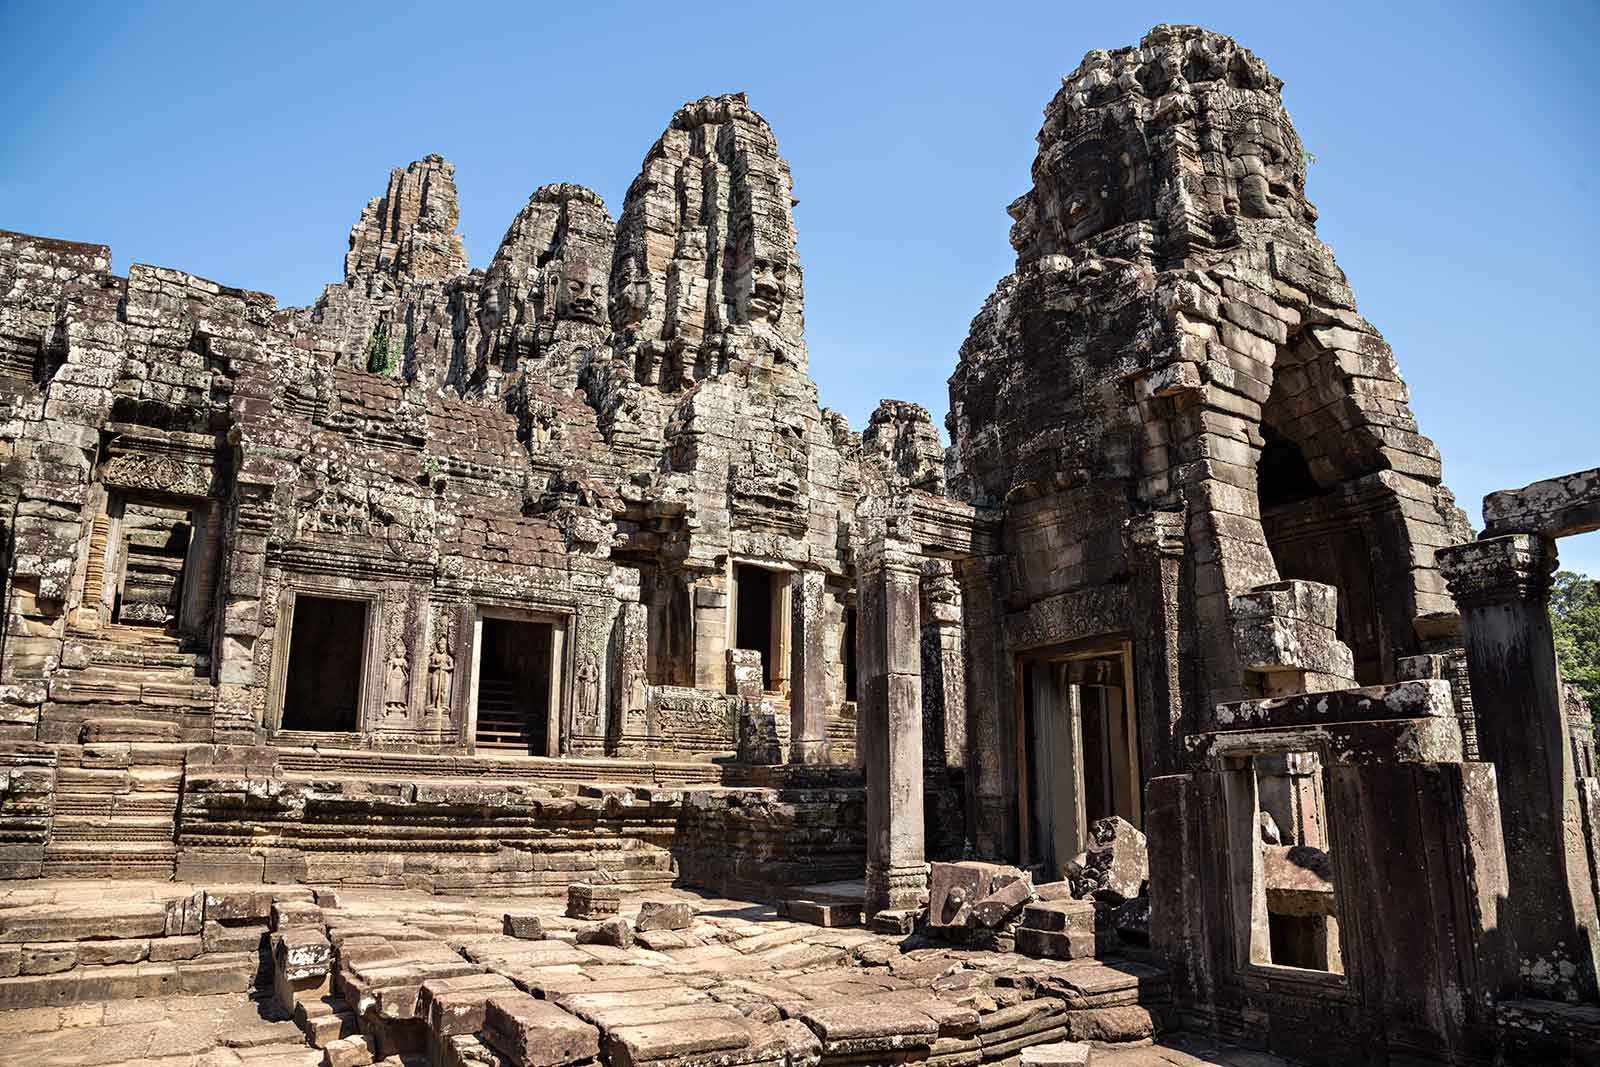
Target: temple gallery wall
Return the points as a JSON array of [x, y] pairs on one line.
[[1180, 661]]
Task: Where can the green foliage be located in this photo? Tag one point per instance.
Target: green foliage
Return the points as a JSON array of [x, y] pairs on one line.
[[1575, 618], [380, 360], [1309, 157]]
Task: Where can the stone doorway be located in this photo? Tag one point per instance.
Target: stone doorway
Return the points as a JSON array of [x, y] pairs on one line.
[[322, 684], [1080, 739], [513, 698], [517, 682]]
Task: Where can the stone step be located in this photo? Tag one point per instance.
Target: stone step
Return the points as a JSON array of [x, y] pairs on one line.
[[110, 859], [112, 829], [209, 975]]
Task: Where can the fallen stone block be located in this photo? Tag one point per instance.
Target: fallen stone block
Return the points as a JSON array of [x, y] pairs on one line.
[[524, 925], [614, 932], [588, 901], [1119, 859], [662, 915], [1076, 916], [818, 914], [863, 1029], [895, 921], [536, 1033]]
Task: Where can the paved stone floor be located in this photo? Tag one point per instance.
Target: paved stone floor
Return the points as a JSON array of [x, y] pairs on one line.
[[737, 961]]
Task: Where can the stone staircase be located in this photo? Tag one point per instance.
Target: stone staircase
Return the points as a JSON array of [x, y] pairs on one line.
[[501, 726], [77, 944], [132, 671]]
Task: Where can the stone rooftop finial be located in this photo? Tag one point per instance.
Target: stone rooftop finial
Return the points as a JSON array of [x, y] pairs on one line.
[[409, 233]]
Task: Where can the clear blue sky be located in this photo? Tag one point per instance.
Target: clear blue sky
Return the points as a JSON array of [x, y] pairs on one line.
[[1455, 142]]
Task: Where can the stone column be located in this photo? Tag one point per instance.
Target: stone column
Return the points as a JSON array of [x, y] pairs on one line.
[[991, 712], [890, 709], [944, 676], [1502, 586], [808, 668], [1154, 544]]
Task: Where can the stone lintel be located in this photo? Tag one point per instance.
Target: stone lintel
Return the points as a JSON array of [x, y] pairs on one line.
[[1555, 507]]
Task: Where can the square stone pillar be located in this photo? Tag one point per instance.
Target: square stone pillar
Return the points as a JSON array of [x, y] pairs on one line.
[[709, 597], [808, 668], [992, 775], [1155, 545], [1502, 586], [890, 711]]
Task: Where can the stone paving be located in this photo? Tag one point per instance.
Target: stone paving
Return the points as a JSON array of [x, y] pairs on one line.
[[736, 985]]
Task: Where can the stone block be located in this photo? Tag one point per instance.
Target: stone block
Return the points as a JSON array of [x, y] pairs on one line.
[[661, 915], [615, 932], [536, 1033], [347, 1052], [588, 901], [287, 913], [524, 925]]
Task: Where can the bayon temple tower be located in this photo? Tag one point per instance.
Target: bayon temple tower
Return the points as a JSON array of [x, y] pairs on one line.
[[520, 666]]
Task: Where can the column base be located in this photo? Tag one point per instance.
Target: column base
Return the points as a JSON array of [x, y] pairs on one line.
[[898, 888]]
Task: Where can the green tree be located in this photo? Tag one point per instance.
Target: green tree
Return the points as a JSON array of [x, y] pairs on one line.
[[1575, 618], [379, 359]]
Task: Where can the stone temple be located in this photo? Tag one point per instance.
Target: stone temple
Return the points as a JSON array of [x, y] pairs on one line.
[[519, 666]]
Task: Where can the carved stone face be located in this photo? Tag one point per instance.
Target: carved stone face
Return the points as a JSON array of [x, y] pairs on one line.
[[1263, 170], [761, 270], [581, 292], [1089, 185], [489, 307]]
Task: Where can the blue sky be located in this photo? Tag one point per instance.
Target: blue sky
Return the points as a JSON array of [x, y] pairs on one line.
[[1455, 176]]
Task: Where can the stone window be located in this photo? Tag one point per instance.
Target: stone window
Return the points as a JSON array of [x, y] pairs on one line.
[[1284, 886], [761, 620], [323, 681]]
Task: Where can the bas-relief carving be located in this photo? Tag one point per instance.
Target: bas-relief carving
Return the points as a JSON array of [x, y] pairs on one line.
[[1071, 616]]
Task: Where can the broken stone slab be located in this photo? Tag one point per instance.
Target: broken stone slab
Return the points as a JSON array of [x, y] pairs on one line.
[[664, 915], [536, 1033], [588, 901], [1004, 902], [858, 1029], [614, 931], [1060, 1054], [524, 925]]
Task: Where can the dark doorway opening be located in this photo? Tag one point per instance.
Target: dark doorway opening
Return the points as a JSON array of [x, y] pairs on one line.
[[848, 654], [322, 689], [514, 686], [753, 627]]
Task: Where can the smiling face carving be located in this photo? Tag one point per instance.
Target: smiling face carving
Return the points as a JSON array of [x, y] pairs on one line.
[[761, 272], [581, 292]]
